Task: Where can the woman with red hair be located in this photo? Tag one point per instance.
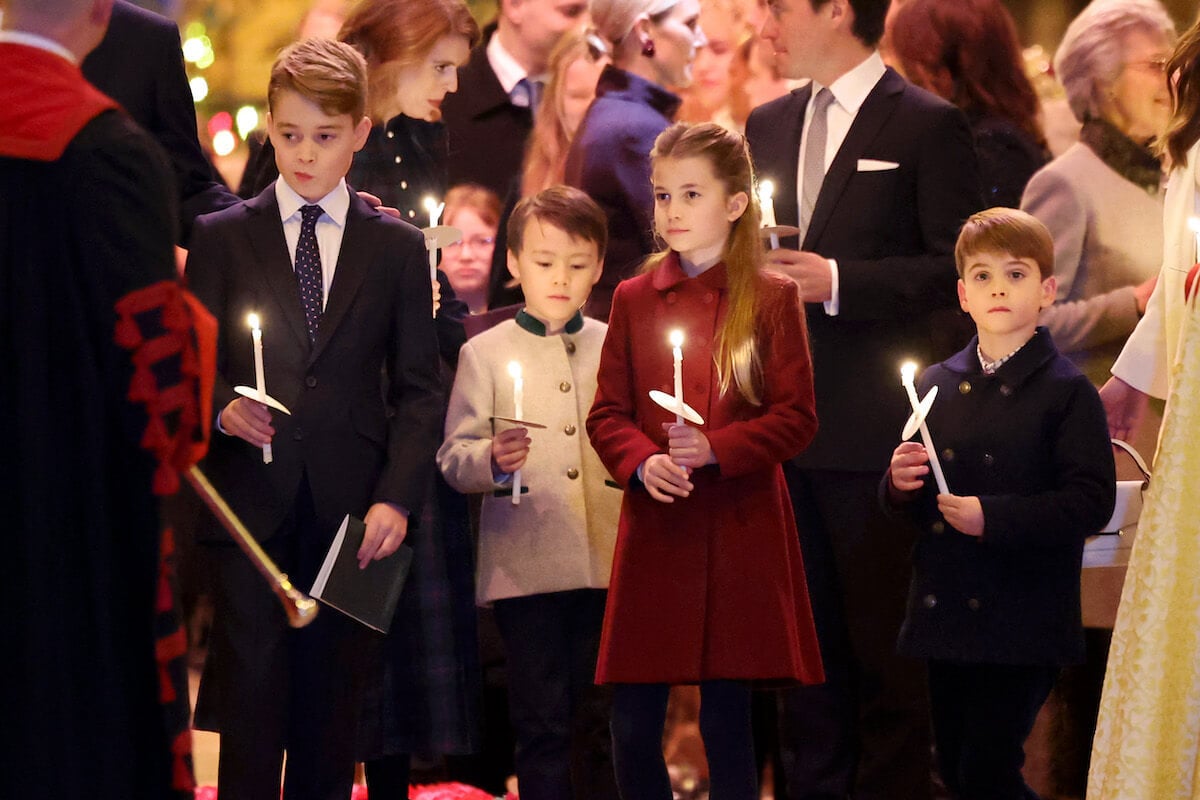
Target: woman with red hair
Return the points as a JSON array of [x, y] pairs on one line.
[[967, 52]]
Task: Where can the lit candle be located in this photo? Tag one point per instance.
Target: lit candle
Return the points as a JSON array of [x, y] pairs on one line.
[[1194, 226], [766, 201], [907, 371], [514, 369], [435, 210], [260, 377], [677, 354]]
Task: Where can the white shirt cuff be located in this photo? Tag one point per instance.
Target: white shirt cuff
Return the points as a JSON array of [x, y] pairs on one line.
[[833, 304]]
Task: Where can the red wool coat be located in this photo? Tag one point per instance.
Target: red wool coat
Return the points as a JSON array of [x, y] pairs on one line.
[[712, 586]]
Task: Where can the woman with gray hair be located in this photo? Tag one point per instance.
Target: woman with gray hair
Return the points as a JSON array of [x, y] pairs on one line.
[[1102, 198], [652, 44]]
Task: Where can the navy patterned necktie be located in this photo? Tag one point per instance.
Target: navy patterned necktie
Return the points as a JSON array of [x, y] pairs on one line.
[[308, 270]]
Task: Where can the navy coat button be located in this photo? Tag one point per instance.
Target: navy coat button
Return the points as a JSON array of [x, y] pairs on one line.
[[311, 382], [948, 454], [964, 387], [973, 604], [1006, 390], [988, 459], [929, 600], [938, 527], [298, 435]]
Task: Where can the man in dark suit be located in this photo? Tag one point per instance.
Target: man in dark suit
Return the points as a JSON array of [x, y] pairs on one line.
[[879, 176], [344, 296], [140, 65], [490, 116]]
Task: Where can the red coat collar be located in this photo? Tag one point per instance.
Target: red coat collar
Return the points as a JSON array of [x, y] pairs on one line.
[[670, 273], [44, 102]]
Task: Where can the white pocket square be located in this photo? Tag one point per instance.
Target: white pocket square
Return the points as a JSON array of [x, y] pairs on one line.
[[872, 165]]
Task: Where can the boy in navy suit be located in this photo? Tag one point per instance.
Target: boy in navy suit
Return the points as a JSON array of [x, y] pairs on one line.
[[344, 297], [994, 600]]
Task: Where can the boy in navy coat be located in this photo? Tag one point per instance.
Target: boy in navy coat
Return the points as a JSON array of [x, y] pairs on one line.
[[1021, 434], [350, 348]]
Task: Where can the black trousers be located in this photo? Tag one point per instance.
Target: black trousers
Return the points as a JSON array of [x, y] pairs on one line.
[[982, 715], [560, 717], [639, 711], [864, 733], [276, 688]]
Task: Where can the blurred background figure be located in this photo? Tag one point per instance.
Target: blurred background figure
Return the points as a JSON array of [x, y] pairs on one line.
[[967, 52], [1102, 200], [575, 67], [476, 212], [653, 45], [717, 93]]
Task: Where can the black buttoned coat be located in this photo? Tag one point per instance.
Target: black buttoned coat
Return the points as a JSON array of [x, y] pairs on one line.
[[1031, 441]]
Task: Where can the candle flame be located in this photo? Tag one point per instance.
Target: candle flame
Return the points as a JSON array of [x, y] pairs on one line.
[[430, 203], [766, 190], [676, 337], [514, 369], [907, 370], [1194, 224], [252, 321]]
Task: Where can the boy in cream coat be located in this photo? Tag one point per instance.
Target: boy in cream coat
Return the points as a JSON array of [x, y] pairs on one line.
[[544, 562]]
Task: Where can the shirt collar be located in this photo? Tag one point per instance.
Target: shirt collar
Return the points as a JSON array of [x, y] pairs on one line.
[[507, 70], [851, 89], [335, 204], [1022, 364], [669, 274], [538, 328], [40, 42]]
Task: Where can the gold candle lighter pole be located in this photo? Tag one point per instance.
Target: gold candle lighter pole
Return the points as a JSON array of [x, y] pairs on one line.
[[299, 607]]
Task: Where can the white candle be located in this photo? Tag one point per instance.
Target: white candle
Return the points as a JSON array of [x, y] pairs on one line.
[[766, 201], [260, 376], [514, 369], [907, 371], [677, 354], [435, 210], [1194, 225]]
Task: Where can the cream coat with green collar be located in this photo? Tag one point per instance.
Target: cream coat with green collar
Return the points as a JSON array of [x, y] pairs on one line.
[[561, 535]]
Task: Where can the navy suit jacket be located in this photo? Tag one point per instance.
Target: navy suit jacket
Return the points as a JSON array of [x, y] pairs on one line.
[[139, 64], [360, 438], [892, 232]]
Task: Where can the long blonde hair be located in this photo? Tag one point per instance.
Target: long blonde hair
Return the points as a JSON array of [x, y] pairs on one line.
[[736, 353]]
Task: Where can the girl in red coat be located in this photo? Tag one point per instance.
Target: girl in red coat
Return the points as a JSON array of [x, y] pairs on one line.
[[708, 584]]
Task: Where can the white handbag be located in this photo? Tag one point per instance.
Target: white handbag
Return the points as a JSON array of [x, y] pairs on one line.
[[1129, 494]]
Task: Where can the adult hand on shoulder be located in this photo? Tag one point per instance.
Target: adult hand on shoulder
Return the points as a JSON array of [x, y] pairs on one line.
[[248, 420], [387, 525], [965, 514], [909, 464], [377, 204], [688, 446], [510, 448], [809, 271], [1124, 405], [664, 479]]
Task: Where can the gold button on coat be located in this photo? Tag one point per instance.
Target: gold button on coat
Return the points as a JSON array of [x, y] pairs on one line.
[[572, 473], [565, 386], [569, 430], [964, 387]]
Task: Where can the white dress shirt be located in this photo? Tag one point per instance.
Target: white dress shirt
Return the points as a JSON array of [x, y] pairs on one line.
[[330, 226], [849, 93]]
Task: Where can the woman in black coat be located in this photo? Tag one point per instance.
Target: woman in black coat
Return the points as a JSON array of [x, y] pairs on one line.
[[653, 44]]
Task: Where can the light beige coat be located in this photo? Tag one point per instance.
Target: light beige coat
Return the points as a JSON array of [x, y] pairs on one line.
[[561, 535]]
